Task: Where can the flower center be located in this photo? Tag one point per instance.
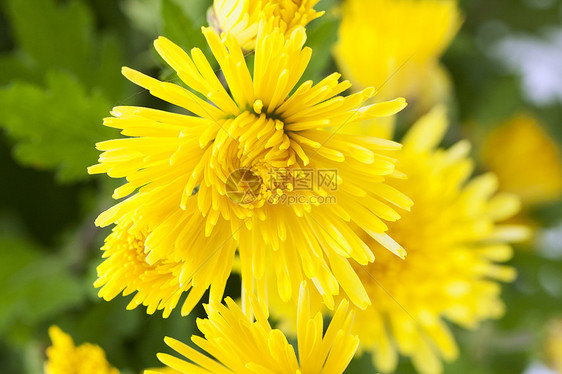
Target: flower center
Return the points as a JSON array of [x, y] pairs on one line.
[[251, 157], [135, 244]]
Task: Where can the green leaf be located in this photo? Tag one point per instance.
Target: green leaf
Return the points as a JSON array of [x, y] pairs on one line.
[[55, 127], [322, 34], [33, 286], [107, 69], [14, 67], [141, 14], [196, 10], [54, 36], [361, 363], [62, 37], [179, 28]]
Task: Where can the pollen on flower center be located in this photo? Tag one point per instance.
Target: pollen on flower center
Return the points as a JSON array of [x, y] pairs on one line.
[[263, 164]]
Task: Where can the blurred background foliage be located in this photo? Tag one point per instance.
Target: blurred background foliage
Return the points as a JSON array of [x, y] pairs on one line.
[[60, 75]]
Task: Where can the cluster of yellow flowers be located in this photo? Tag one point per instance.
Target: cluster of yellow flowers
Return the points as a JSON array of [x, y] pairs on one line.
[[244, 176]]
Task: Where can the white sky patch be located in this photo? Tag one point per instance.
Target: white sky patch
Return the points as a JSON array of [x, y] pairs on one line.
[[538, 368], [549, 243], [538, 61]]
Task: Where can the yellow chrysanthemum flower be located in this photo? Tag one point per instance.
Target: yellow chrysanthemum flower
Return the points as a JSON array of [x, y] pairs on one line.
[[127, 269], [453, 241], [525, 159], [241, 18], [65, 358], [229, 176], [395, 45], [240, 345]]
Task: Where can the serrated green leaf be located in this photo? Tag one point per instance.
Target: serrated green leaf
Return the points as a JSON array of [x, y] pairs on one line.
[[55, 127], [54, 36], [33, 286], [62, 37]]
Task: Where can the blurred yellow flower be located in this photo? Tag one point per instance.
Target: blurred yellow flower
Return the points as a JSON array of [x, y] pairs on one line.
[[553, 346], [224, 177], [241, 345], [65, 358], [395, 45], [453, 241], [241, 18], [525, 159]]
